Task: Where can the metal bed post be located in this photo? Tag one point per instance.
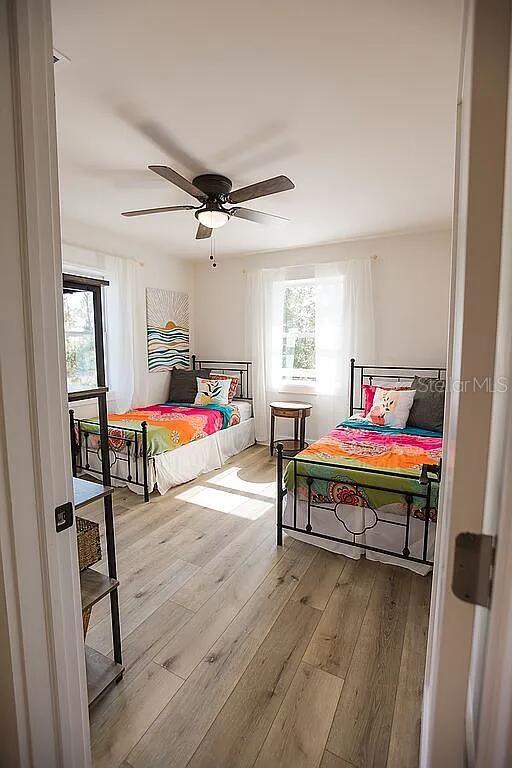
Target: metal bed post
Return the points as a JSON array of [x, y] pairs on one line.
[[427, 520], [144, 427], [351, 405], [279, 449], [73, 441]]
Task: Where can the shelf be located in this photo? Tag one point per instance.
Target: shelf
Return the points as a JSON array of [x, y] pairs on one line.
[[86, 492], [86, 394], [102, 672], [94, 586], [291, 447]]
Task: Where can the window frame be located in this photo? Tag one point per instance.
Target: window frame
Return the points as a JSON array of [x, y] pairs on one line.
[[94, 278]]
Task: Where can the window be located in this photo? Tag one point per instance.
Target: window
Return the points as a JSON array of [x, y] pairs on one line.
[[79, 339], [298, 338]]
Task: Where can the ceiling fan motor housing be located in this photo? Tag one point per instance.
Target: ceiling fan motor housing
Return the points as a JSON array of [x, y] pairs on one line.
[[214, 185]]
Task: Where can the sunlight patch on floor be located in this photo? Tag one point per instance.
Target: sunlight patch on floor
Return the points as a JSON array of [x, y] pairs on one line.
[[226, 501], [231, 479]]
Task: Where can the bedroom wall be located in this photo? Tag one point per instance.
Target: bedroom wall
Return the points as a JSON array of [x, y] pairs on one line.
[[158, 270], [411, 278]]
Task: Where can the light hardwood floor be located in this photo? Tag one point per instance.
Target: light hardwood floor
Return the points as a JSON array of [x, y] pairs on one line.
[[239, 653]]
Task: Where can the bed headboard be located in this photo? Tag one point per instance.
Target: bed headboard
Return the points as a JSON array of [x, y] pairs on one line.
[[243, 370], [375, 374]]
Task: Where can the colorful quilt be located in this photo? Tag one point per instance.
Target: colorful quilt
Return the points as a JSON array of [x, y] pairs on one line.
[[358, 447], [169, 426]]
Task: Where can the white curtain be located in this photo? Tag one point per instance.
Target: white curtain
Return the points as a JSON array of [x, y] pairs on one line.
[[124, 323], [344, 328]]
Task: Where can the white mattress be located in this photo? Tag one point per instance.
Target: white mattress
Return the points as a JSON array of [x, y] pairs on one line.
[[245, 409]]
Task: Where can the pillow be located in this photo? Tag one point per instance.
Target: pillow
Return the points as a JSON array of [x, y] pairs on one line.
[[233, 383], [391, 407], [427, 410], [369, 394], [212, 391], [183, 387]]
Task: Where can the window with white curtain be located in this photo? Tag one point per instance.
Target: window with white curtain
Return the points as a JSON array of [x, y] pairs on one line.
[[304, 318], [123, 326], [303, 325]]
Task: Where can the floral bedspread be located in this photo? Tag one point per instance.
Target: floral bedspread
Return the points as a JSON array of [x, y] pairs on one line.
[[380, 449], [169, 425]]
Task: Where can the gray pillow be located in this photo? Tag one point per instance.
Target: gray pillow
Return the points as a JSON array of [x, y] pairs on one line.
[[183, 387], [427, 410]]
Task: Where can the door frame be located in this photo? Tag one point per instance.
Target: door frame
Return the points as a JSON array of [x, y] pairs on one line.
[[491, 711], [44, 702], [476, 261]]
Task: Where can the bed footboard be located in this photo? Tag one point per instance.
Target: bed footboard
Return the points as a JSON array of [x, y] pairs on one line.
[[128, 446], [356, 496]]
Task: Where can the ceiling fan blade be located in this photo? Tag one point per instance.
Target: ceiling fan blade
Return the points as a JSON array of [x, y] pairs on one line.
[[175, 178], [257, 216], [203, 232], [261, 189], [160, 210]]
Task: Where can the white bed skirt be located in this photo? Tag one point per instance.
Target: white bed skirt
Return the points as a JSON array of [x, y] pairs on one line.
[[383, 535], [209, 453], [188, 461]]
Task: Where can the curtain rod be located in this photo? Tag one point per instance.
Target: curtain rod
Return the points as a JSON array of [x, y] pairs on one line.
[[101, 252], [373, 257]]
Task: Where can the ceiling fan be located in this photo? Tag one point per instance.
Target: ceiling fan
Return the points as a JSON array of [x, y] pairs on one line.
[[213, 192]]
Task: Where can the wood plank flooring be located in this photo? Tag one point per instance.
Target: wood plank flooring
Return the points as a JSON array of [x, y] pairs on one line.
[[240, 654]]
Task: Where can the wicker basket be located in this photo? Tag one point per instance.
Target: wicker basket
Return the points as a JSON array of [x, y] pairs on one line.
[[88, 542], [89, 552]]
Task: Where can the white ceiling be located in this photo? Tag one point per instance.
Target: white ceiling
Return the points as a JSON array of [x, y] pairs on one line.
[[354, 100]]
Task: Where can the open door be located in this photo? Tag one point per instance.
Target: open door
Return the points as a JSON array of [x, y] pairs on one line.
[[466, 719], [43, 701]]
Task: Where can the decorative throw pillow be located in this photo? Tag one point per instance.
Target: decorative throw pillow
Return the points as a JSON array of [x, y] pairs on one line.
[[183, 387], [211, 391], [427, 410], [391, 407], [233, 386], [369, 394]]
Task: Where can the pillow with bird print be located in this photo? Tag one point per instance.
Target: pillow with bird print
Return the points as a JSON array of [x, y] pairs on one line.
[[212, 391]]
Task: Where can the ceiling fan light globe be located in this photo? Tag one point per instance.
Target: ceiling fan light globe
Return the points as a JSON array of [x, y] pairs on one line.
[[213, 219]]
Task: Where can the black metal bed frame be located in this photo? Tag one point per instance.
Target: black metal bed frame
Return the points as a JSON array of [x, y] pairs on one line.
[[430, 474], [134, 442]]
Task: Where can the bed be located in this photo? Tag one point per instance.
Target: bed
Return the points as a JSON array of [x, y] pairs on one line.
[[163, 445], [365, 488]]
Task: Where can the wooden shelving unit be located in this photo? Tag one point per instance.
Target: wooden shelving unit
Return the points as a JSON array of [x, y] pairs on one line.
[[102, 671], [87, 492], [94, 586]]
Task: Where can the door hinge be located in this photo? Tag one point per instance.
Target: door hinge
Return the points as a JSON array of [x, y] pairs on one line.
[[473, 567], [63, 516]]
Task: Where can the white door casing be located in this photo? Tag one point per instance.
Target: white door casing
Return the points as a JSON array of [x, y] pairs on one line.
[[479, 184], [41, 655], [490, 681]]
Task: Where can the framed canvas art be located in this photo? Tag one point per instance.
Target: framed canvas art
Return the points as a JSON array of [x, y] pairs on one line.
[[168, 329]]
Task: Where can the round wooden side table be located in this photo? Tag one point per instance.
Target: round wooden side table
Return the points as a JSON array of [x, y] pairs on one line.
[[299, 413]]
